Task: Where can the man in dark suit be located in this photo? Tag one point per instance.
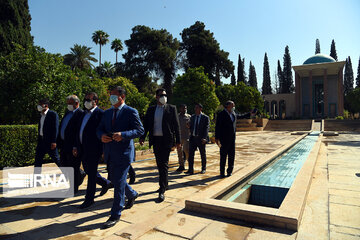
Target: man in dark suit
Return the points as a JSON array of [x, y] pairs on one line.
[[199, 129], [47, 134], [225, 134], [67, 139], [162, 123], [118, 127], [89, 148]]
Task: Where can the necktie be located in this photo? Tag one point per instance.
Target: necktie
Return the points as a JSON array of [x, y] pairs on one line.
[[114, 117], [197, 125]]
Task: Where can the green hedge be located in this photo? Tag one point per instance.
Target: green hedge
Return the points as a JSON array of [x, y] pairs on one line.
[[17, 145]]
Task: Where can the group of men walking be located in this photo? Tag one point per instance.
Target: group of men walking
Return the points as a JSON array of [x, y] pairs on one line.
[[83, 136]]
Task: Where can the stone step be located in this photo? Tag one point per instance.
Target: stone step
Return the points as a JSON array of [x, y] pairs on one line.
[[249, 129]]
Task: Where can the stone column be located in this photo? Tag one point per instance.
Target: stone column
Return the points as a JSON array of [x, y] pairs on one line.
[[310, 94], [326, 92]]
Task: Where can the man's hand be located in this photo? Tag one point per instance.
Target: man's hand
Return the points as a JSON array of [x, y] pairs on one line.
[[105, 138], [75, 152], [178, 146], [117, 136], [218, 142], [53, 146], [141, 141], [203, 141]]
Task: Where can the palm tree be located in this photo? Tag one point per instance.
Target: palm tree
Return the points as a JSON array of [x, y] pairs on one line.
[[106, 69], [80, 57], [100, 37], [116, 45]]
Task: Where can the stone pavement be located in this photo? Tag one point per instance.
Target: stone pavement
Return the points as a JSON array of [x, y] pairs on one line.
[[332, 210]]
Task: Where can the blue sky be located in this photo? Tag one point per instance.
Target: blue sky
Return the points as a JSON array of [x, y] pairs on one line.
[[245, 27]]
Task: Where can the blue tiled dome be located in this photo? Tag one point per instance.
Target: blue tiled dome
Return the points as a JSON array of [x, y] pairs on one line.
[[319, 58]]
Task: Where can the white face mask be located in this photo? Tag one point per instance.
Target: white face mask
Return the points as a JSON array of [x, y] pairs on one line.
[[233, 109], [163, 100], [89, 105], [39, 108], [70, 108], [114, 99]]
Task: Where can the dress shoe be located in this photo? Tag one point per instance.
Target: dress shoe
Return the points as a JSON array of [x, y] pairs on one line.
[[86, 204], [189, 172], [203, 171], [132, 180], [180, 169], [110, 222], [167, 188], [161, 197], [104, 189], [222, 175], [229, 174], [131, 201]]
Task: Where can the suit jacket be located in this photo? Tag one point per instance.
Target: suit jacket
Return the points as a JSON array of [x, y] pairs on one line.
[[128, 123], [50, 128], [170, 125], [203, 125], [225, 128], [71, 131], [91, 145]]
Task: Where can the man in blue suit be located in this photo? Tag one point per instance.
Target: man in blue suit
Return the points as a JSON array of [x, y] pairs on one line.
[[47, 134], [118, 127], [89, 148]]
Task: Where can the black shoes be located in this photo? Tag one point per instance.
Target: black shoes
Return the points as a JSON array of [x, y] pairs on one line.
[[222, 175], [132, 180], [86, 204], [110, 222], [229, 174], [203, 171], [131, 201], [190, 172], [161, 197], [180, 169], [167, 188], [105, 188]]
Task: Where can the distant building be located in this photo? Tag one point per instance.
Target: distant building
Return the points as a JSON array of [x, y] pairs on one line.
[[318, 91]]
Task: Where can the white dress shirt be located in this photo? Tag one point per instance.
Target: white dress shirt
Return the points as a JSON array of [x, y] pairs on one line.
[[159, 112], [84, 121], [42, 120]]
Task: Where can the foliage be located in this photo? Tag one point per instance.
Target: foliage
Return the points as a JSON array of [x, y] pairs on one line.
[[333, 50], [18, 143], [193, 87], [200, 48], [317, 46], [252, 76], [348, 77], [339, 118], [14, 25], [116, 45], [245, 97], [233, 79], [106, 69], [241, 75], [100, 37], [80, 57], [280, 76], [287, 78], [134, 98], [150, 51], [358, 76], [266, 87], [353, 100]]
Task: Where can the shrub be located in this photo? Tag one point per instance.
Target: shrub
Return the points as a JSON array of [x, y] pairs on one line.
[[339, 118]]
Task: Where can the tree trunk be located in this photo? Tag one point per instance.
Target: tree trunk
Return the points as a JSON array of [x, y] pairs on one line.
[[100, 56]]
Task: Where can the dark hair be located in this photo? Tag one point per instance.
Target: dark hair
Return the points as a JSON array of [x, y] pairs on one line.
[[44, 101], [95, 96], [199, 105], [228, 103], [159, 90], [119, 89], [182, 105]]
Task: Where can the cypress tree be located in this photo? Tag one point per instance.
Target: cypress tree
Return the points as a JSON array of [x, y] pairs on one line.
[[280, 77], [241, 75], [288, 84], [252, 76], [266, 87], [348, 77], [233, 79], [317, 46], [14, 25], [333, 50], [358, 76]]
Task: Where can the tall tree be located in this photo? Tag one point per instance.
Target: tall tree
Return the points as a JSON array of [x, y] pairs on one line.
[[333, 50], [317, 46], [276, 84], [348, 77], [280, 77], [266, 87], [106, 69], [241, 75], [116, 45], [233, 79], [14, 25], [358, 76], [100, 37], [200, 48], [151, 52], [252, 76], [80, 57], [288, 83]]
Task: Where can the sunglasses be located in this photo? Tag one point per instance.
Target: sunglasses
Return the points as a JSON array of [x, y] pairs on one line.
[[87, 100], [162, 95]]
